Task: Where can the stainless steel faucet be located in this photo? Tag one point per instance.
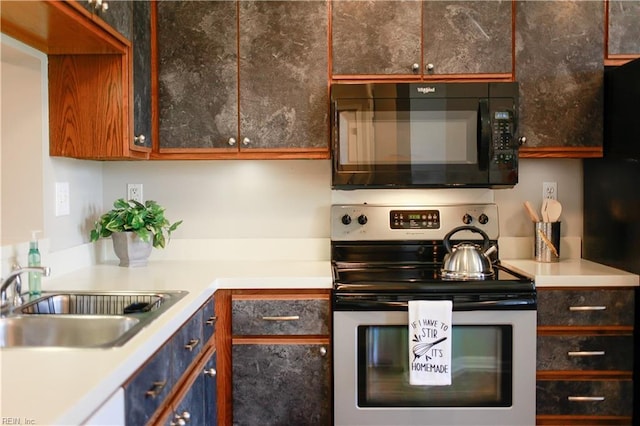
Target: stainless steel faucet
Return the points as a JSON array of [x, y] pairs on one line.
[[14, 278]]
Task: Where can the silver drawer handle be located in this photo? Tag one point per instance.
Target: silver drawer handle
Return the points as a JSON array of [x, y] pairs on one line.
[[211, 372], [585, 353], [192, 344], [156, 389], [211, 320], [282, 318], [587, 308], [586, 398]]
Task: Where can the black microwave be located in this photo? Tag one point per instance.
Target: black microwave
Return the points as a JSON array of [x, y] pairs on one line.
[[424, 135]]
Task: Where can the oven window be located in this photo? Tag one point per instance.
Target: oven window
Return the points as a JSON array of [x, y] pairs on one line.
[[481, 368]]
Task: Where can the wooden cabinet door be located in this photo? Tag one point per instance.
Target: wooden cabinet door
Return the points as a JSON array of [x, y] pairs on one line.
[[141, 136], [283, 75], [467, 37], [278, 384], [197, 76], [211, 391], [117, 13], [559, 66], [376, 37], [623, 28]]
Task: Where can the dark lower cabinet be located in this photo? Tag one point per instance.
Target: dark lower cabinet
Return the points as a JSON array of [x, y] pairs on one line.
[[210, 379], [585, 356], [281, 384], [149, 388], [596, 398], [178, 383]]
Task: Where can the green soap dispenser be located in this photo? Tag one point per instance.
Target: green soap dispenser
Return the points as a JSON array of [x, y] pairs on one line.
[[34, 260]]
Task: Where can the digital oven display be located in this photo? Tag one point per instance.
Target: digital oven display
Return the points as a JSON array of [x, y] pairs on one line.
[[414, 219]]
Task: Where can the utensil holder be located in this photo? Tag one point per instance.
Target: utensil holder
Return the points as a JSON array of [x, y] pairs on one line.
[[547, 242]]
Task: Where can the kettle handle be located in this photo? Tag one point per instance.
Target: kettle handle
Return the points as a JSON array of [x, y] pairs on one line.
[[485, 243]]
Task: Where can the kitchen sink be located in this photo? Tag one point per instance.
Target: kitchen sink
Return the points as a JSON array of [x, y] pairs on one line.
[[84, 319], [73, 331], [100, 303]]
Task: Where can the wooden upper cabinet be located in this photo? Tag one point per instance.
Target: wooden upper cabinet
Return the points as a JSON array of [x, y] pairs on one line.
[[90, 75], [468, 37], [623, 31], [269, 99], [118, 14], [560, 71], [421, 39], [376, 38]]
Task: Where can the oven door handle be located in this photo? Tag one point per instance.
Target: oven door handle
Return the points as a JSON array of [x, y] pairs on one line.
[[523, 303]]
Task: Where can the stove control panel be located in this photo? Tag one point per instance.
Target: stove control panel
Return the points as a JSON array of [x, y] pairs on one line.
[[370, 222], [414, 219]]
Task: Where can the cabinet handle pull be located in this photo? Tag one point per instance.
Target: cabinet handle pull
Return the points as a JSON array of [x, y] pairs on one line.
[[192, 344], [246, 141], [181, 419], [232, 141], [211, 372], [156, 389], [211, 320], [139, 140], [282, 318], [586, 398], [585, 353], [587, 308], [323, 351]]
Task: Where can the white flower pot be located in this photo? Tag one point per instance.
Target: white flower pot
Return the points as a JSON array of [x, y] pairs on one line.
[[130, 249]]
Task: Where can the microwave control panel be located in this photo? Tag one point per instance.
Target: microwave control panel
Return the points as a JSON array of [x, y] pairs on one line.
[[414, 219], [503, 134]]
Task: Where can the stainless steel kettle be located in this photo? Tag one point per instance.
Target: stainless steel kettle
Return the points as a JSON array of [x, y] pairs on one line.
[[467, 260]]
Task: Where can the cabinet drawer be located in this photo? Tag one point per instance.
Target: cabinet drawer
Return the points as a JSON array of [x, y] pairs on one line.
[[585, 398], [149, 387], [585, 353], [585, 307], [277, 317], [187, 344], [208, 320]]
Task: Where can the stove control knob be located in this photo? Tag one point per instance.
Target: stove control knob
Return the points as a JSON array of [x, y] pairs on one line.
[[466, 219], [362, 219], [483, 219], [346, 219]]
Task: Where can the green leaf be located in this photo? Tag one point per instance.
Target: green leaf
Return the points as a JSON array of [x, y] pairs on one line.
[[146, 220]]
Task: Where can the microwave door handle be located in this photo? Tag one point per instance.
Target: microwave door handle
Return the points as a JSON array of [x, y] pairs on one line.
[[484, 134]]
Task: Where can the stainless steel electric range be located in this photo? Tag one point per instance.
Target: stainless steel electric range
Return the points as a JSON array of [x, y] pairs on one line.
[[385, 256]]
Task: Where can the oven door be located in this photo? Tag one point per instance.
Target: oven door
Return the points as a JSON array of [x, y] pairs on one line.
[[493, 371]]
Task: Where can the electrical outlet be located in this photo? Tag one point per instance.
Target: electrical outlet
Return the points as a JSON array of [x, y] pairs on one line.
[[62, 199], [550, 190], [134, 192]]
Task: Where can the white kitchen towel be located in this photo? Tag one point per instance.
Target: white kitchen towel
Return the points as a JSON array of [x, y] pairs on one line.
[[430, 342]]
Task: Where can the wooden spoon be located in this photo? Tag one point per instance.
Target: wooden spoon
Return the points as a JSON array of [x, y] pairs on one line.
[[531, 212], [554, 210]]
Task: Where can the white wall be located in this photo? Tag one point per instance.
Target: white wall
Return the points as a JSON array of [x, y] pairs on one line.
[[28, 174], [232, 199]]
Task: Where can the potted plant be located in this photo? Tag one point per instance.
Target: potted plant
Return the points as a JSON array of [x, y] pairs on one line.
[[135, 229]]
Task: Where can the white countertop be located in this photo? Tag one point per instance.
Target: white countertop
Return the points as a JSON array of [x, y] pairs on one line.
[[572, 273], [65, 386]]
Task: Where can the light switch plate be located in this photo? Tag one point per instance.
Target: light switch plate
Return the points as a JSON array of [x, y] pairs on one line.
[[62, 199]]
